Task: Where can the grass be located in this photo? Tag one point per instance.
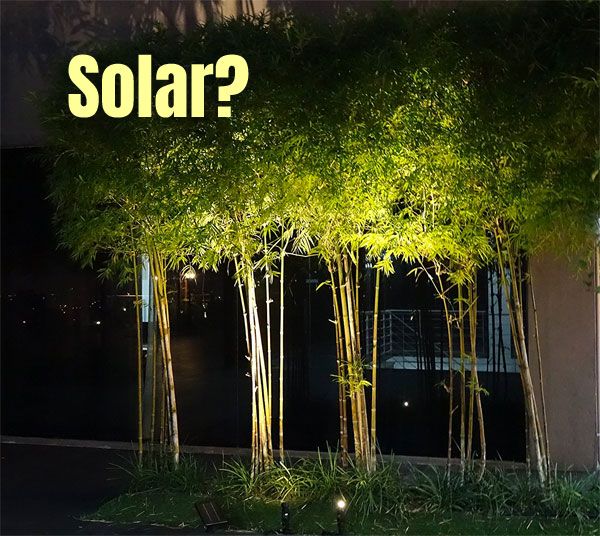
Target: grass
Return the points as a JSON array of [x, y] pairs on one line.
[[394, 499]]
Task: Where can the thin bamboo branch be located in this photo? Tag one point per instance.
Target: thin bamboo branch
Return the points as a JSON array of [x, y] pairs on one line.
[[450, 371], [159, 271], [138, 323], [340, 370], [461, 338], [473, 372], [540, 375], [268, 327], [513, 296], [374, 371], [349, 356], [281, 348]]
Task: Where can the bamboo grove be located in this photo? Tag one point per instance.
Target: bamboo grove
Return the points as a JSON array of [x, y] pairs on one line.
[[455, 141]]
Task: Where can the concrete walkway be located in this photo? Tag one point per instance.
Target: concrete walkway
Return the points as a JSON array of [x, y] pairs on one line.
[[46, 488]]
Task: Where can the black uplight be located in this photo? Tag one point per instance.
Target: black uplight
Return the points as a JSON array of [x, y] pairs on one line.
[[341, 508], [285, 518]]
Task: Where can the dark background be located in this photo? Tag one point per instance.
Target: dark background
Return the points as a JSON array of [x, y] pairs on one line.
[[64, 375]]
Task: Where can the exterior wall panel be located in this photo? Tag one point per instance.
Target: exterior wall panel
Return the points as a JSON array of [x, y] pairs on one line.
[[567, 306]]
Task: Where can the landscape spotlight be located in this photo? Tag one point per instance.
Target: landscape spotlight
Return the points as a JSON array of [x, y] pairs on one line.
[[341, 506], [285, 518], [210, 515]]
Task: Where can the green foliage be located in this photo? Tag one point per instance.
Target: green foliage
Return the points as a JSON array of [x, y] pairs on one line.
[[163, 508], [402, 135], [406, 135], [499, 492], [157, 472], [303, 481], [393, 489], [393, 497], [176, 510]]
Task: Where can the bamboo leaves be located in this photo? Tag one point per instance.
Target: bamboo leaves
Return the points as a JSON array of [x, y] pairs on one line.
[[445, 142]]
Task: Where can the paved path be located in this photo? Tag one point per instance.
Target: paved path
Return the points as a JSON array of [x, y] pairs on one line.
[[46, 488]]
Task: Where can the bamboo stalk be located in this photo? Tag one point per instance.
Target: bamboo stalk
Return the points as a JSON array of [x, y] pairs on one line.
[[163, 402], [374, 371], [261, 362], [268, 318], [155, 350], [540, 376], [164, 327], [480, 420], [518, 335], [519, 316], [264, 420], [239, 279], [473, 298], [266, 407], [139, 361], [250, 336], [450, 371], [363, 453], [349, 356], [340, 370], [473, 372], [164, 393], [281, 350], [461, 338], [356, 301]]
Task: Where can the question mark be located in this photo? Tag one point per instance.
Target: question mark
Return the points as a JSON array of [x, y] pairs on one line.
[[240, 79]]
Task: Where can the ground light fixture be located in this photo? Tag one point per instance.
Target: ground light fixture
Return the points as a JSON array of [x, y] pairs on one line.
[[341, 508], [211, 516], [285, 518]]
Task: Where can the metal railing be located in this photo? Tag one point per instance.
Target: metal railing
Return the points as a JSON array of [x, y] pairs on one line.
[[417, 340]]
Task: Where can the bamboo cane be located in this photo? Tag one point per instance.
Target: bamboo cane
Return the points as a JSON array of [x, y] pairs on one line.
[[340, 371], [264, 420], [461, 336], [281, 348], [540, 376], [262, 366], [164, 327], [518, 334], [535, 430], [139, 361], [268, 318], [256, 453], [240, 284], [155, 349], [450, 370], [374, 371], [349, 357], [363, 456], [473, 373]]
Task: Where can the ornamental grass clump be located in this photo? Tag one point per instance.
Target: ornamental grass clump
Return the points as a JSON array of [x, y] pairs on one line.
[[368, 492], [157, 472], [399, 490], [502, 493]]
